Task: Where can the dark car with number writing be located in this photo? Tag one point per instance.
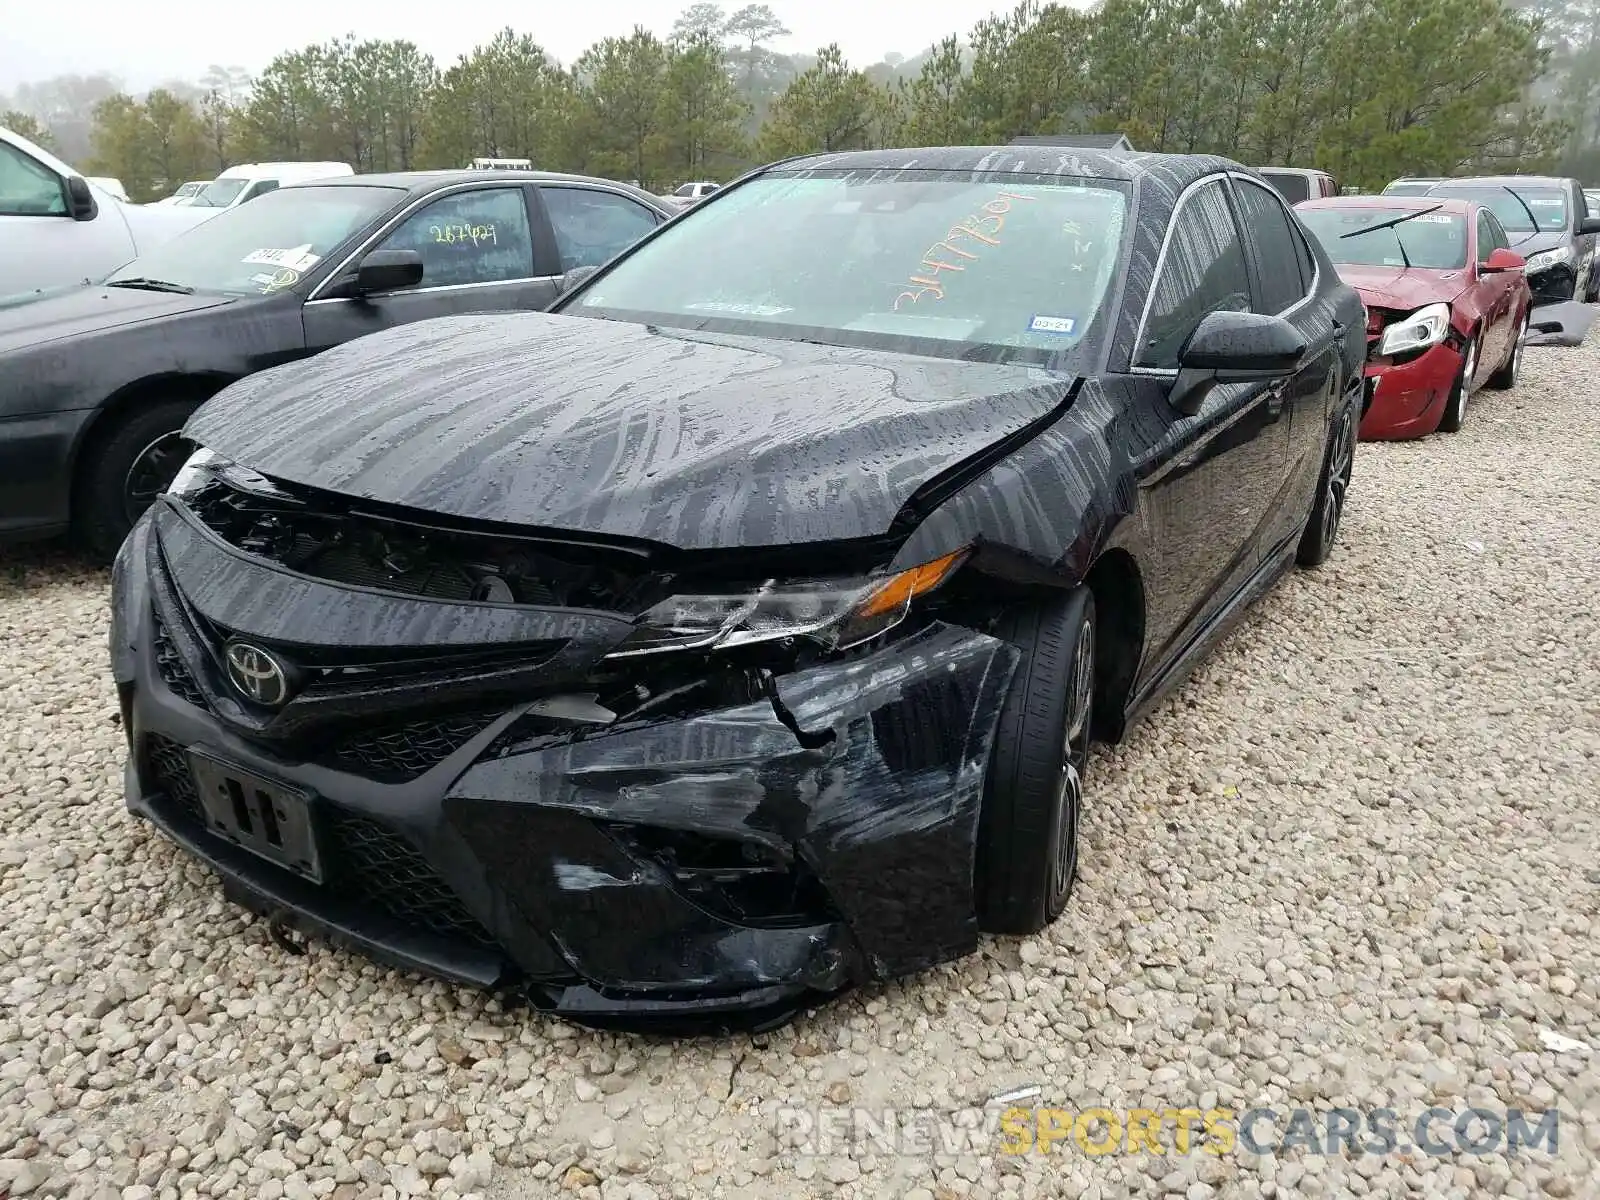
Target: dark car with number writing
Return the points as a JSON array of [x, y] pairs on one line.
[[737, 630], [96, 382], [1549, 225]]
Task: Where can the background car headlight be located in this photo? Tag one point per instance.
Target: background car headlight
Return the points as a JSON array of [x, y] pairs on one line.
[[1545, 259], [836, 613], [1423, 328]]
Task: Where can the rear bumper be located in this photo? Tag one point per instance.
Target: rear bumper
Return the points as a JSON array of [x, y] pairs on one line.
[[563, 865], [36, 473], [1408, 399]]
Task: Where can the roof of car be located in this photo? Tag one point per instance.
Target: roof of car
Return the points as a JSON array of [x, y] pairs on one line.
[[1450, 204], [1075, 161], [428, 181], [1504, 180]]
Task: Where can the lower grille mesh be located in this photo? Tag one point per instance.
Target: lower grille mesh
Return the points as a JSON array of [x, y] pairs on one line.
[[401, 754], [369, 865]]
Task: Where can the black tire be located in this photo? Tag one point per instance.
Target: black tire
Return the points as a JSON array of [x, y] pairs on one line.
[[1455, 407], [132, 457], [1333, 489], [1505, 378], [1027, 858]]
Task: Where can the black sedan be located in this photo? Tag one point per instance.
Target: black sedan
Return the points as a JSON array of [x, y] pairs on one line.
[[96, 382], [739, 631]]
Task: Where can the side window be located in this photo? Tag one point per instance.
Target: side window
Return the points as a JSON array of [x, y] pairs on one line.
[[1486, 242], [592, 226], [1204, 271], [1501, 240], [28, 188], [1302, 250], [1266, 223], [259, 188], [469, 237]]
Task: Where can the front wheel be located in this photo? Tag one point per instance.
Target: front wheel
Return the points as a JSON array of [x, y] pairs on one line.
[[124, 469], [1333, 487], [1455, 408], [1506, 377], [1027, 856]]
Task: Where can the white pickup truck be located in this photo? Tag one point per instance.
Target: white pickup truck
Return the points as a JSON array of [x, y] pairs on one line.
[[58, 228]]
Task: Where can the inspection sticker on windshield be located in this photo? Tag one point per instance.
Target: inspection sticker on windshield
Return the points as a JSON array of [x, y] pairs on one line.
[[298, 258], [1434, 219], [1044, 324]]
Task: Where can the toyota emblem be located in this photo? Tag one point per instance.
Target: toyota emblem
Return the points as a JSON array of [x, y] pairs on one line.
[[257, 674]]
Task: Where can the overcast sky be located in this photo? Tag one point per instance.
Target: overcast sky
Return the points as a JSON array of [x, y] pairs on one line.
[[148, 43]]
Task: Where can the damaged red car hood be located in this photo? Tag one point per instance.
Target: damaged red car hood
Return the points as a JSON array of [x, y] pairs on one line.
[[693, 440], [1404, 288]]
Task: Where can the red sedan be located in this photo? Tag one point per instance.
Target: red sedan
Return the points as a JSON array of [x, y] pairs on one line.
[[1447, 304]]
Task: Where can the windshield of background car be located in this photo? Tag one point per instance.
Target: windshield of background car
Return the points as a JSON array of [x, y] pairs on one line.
[[1549, 205], [1437, 240], [1408, 189], [1004, 268], [266, 245], [220, 193]]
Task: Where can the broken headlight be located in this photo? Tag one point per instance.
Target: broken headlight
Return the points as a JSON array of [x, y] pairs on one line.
[[1543, 260], [1421, 329], [837, 613]]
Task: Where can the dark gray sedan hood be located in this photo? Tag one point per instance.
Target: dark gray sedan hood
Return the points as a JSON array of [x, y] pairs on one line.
[[572, 423]]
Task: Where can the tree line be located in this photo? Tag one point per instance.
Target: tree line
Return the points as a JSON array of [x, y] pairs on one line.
[[1367, 89]]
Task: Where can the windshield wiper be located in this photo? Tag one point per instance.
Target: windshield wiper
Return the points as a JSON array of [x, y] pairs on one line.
[[152, 285], [1390, 224], [1533, 221]]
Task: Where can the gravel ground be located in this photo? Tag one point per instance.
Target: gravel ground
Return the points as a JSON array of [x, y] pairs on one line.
[[1352, 864]]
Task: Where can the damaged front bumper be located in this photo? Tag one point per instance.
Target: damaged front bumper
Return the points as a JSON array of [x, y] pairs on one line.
[[745, 860]]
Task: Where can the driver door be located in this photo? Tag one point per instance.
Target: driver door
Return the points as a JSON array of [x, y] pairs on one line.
[[477, 248], [41, 246], [1208, 480]]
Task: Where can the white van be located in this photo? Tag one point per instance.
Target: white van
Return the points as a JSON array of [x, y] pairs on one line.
[[58, 228], [249, 180]]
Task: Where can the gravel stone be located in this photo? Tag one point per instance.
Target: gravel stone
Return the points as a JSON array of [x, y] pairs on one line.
[[1351, 863]]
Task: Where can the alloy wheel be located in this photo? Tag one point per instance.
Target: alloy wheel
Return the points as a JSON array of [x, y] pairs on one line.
[[1522, 344], [153, 469], [1341, 462], [1469, 368], [1074, 760]]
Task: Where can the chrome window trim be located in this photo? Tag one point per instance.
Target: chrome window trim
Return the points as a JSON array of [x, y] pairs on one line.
[[1161, 261], [1294, 231], [404, 215]]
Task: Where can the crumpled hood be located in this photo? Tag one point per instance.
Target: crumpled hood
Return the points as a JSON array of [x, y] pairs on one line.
[[693, 440], [71, 312], [1402, 288]]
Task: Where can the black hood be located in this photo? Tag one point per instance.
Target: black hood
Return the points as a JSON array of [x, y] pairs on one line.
[[693, 440], [90, 309]]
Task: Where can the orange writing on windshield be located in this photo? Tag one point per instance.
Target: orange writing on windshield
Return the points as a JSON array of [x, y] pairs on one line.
[[981, 229]]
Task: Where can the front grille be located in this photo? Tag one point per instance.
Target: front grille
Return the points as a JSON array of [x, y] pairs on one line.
[[170, 666], [402, 754], [371, 866], [378, 867]]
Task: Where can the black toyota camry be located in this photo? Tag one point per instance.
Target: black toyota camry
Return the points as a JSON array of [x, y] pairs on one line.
[[737, 631]]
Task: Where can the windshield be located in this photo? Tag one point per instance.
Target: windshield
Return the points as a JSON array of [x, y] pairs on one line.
[[266, 245], [1419, 187], [1436, 240], [189, 189], [686, 189], [220, 193], [1548, 204], [1011, 268]]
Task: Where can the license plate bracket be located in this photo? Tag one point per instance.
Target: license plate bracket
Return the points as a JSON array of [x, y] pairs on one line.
[[269, 819]]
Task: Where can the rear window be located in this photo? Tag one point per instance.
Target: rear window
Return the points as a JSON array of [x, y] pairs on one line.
[[1292, 186]]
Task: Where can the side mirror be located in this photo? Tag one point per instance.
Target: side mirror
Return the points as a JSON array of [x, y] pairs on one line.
[[80, 199], [1234, 347], [573, 278], [387, 271], [1502, 260], [1587, 225]]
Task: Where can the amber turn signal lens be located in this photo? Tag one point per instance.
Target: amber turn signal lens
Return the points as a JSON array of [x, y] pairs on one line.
[[900, 590]]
